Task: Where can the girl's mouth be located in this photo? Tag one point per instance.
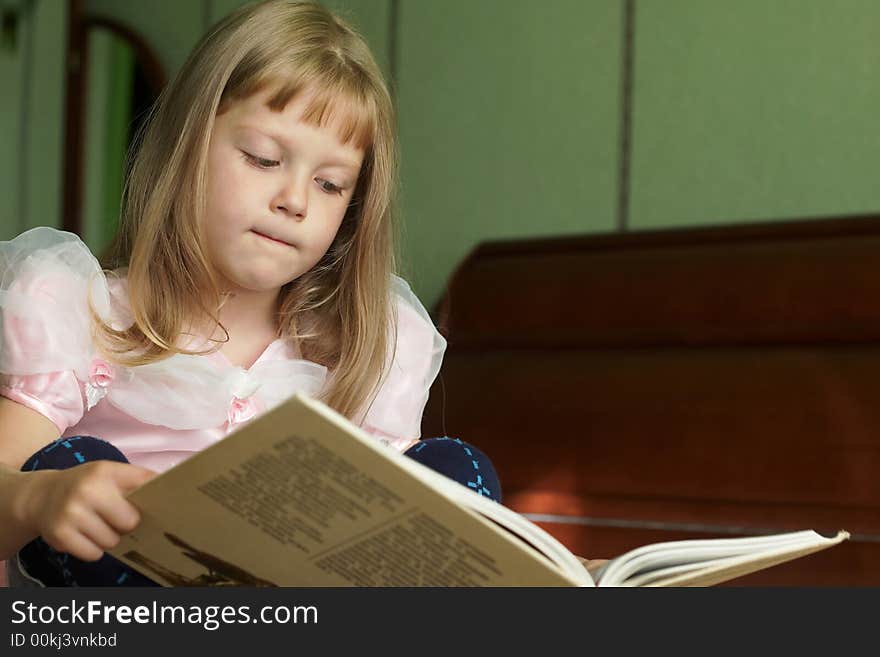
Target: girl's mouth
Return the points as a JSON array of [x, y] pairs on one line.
[[271, 239]]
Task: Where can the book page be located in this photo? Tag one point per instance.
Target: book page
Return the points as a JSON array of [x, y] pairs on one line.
[[705, 562], [725, 570], [301, 497]]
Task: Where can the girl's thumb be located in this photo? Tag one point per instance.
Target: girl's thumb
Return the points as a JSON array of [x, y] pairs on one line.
[[132, 476]]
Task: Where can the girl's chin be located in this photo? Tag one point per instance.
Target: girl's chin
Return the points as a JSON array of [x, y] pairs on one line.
[[259, 285], [246, 283]]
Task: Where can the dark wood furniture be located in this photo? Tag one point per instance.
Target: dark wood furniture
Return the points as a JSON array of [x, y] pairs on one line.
[[690, 383]]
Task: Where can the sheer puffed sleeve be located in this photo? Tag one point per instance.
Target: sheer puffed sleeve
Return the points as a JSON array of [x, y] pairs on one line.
[[46, 349], [395, 415]]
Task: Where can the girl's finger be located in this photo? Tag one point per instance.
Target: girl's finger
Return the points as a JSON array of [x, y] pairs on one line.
[[100, 534], [77, 545], [118, 513]]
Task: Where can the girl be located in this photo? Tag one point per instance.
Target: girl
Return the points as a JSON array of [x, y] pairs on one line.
[[254, 260]]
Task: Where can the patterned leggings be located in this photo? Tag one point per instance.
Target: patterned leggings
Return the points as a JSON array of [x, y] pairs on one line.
[[449, 456]]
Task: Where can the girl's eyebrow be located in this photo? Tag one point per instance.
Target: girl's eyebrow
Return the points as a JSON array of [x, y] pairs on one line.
[[351, 164]]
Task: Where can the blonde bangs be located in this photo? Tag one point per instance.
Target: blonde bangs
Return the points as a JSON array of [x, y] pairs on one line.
[[338, 96]]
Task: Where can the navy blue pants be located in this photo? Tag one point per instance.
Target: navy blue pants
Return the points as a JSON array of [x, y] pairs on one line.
[[449, 456]]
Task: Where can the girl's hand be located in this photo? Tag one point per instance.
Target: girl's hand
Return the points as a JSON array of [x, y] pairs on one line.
[[82, 510]]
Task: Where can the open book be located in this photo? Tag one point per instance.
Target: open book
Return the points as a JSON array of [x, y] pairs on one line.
[[302, 497]]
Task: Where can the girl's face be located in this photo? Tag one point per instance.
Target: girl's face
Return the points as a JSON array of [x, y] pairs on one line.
[[278, 189]]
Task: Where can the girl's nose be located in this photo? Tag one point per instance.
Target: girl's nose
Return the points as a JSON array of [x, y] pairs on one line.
[[292, 198]]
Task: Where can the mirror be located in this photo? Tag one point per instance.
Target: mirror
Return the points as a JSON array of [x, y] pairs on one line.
[[116, 79]]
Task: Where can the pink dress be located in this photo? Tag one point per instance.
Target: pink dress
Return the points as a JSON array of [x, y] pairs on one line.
[[161, 413]]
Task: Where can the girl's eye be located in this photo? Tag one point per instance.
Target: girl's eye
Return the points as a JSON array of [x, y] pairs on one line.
[[260, 162], [329, 187]]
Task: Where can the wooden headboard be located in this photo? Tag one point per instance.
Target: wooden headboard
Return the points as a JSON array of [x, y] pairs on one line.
[[654, 386]]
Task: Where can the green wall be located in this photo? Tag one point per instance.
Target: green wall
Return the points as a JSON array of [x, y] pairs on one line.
[[45, 129], [32, 77], [11, 65], [508, 124], [171, 27], [108, 108], [754, 110]]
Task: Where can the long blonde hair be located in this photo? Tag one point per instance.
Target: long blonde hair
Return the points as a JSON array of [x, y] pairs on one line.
[[339, 313]]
